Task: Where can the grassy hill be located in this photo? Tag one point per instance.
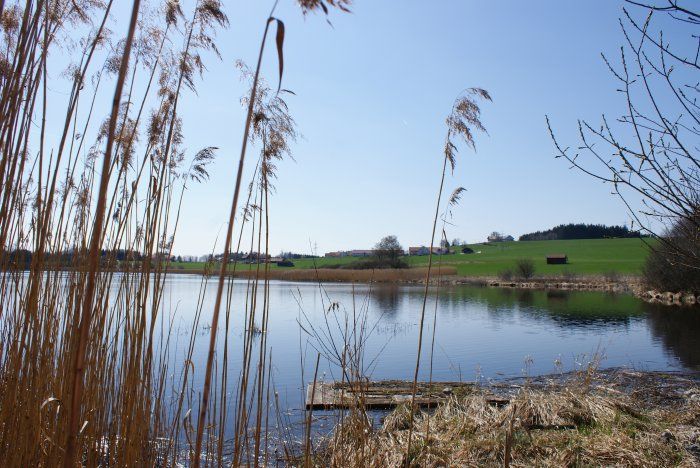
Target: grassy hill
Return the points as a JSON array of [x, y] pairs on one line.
[[586, 257]]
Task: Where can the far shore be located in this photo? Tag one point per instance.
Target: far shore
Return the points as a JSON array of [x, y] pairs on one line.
[[417, 275], [447, 276], [629, 284], [444, 275]]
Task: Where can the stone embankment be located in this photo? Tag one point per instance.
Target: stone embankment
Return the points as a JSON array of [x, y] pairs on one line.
[[618, 287], [670, 298], [628, 285]]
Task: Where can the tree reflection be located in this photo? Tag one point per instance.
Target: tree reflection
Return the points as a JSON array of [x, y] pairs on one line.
[[386, 298], [678, 329]]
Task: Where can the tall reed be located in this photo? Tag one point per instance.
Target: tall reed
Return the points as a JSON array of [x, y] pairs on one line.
[[78, 376], [82, 328], [268, 122], [464, 119]]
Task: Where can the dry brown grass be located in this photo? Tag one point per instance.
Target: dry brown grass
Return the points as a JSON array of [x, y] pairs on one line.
[[560, 425]]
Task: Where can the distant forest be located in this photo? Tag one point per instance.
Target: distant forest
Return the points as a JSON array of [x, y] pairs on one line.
[[580, 231]]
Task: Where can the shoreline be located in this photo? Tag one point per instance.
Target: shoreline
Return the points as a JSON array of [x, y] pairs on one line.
[[448, 276]]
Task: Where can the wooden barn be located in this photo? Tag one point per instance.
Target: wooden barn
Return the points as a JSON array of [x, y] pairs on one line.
[[557, 259]]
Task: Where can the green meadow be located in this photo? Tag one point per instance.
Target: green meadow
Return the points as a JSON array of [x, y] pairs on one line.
[[586, 257]]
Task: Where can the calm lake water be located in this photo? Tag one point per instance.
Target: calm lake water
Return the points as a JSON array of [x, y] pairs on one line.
[[481, 333]]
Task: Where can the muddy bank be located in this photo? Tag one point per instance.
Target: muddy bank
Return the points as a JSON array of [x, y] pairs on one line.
[[443, 275], [670, 298]]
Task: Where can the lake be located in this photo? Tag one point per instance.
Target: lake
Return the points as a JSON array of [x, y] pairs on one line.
[[481, 333]]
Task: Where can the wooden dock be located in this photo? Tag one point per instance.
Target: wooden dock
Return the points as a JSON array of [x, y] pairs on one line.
[[386, 394]]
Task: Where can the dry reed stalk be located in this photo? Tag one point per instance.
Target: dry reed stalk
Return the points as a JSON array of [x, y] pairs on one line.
[[341, 338], [83, 327], [227, 244], [464, 116], [509, 438], [309, 419]]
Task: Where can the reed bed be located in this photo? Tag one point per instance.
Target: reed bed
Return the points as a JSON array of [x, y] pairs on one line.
[[90, 205], [84, 355], [408, 275], [89, 211]]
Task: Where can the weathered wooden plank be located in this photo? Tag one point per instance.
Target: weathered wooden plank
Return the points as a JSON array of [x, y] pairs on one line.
[[383, 394]]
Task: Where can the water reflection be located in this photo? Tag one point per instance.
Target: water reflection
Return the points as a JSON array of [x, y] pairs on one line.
[[387, 299], [605, 316], [679, 331], [570, 308], [525, 298], [489, 329]]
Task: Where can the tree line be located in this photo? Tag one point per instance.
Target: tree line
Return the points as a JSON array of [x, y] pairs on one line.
[[22, 258], [580, 231]]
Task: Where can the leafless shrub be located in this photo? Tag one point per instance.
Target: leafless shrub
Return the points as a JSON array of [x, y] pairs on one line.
[[665, 270], [525, 268], [568, 275]]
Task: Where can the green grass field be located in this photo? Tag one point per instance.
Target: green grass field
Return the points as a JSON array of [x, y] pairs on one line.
[[586, 257]]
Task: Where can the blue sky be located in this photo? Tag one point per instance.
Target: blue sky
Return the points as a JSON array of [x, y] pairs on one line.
[[372, 93]]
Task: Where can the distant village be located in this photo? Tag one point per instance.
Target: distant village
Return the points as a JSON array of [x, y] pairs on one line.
[[443, 249], [283, 258]]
